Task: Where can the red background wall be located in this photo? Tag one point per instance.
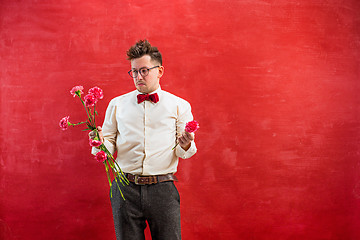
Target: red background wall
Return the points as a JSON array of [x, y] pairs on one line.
[[274, 85]]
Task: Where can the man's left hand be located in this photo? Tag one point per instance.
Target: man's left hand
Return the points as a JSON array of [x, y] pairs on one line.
[[185, 140]]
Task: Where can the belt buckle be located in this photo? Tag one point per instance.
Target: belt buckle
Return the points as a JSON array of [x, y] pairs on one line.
[[136, 180]]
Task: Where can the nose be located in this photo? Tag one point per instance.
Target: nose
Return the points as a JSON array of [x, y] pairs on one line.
[[139, 76]]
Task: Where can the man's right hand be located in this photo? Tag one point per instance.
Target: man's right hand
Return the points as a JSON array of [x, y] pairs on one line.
[[92, 134]]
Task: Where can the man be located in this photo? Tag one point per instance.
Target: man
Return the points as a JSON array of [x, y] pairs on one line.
[[143, 126]]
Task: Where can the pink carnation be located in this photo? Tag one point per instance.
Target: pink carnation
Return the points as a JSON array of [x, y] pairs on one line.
[[64, 123], [192, 126], [90, 100], [94, 143], [77, 91], [97, 92], [101, 156]]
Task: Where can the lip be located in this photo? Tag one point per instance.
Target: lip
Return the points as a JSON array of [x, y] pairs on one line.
[[140, 84]]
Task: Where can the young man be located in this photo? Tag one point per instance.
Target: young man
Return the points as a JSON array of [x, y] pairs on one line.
[[143, 126]]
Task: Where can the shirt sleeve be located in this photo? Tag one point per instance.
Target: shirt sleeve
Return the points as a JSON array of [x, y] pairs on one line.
[[109, 129], [184, 116]]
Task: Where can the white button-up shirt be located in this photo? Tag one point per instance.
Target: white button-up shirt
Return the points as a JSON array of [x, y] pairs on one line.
[[144, 134]]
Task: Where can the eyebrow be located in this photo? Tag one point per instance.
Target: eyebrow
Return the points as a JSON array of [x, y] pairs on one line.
[[140, 68]]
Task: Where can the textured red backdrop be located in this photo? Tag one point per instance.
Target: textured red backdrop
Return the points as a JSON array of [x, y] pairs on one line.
[[274, 85]]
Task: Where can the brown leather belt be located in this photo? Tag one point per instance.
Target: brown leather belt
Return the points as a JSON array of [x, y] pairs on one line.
[[143, 180]]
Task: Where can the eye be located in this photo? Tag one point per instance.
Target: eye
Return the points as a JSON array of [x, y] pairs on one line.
[[143, 71]]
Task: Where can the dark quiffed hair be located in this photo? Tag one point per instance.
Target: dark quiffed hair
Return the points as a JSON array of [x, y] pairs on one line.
[[143, 47]]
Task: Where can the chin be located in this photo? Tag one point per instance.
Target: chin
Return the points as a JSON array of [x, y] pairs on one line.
[[142, 90]]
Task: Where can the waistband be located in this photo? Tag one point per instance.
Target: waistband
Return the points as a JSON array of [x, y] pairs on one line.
[[145, 180]]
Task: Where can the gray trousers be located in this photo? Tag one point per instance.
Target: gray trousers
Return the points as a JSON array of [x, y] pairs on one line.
[[158, 204]]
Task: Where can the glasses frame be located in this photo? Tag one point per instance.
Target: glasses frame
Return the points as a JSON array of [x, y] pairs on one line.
[[139, 71]]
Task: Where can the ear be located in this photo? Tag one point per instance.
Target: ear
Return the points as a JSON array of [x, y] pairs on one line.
[[161, 71]]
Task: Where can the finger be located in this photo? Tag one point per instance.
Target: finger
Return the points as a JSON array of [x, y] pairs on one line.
[[189, 136], [185, 138], [184, 142], [92, 134], [181, 140]]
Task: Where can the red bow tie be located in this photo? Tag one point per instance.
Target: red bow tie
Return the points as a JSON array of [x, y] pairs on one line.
[[150, 97]]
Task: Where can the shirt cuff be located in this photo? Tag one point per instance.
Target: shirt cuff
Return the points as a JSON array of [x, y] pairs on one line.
[[94, 150], [181, 153]]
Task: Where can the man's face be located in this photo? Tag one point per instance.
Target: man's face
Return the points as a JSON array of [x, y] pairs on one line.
[[150, 82]]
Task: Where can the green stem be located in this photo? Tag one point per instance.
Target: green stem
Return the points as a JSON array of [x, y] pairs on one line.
[[116, 175], [175, 146], [94, 115], [113, 165], [122, 175], [75, 124], [108, 176], [87, 112]]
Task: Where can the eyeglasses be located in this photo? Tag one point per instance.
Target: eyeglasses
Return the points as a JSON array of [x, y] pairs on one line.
[[144, 71]]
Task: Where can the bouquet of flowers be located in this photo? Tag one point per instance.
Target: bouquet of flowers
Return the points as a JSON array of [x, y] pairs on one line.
[[103, 156]]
